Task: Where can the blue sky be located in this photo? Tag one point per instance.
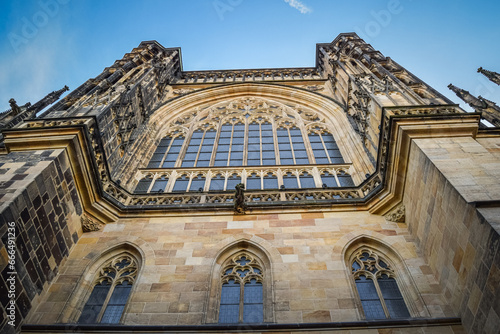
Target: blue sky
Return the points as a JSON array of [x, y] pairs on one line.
[[46, 44]]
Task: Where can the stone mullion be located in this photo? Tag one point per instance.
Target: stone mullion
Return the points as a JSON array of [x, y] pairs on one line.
[[324, 147], [152, 182], [230, 146], [260, 145], [216, 145], [291, 145], [380, 297], [166, 152], [183, 149], [106, 301], [275, 141], [199, 148], [245, 145], [336, 178]]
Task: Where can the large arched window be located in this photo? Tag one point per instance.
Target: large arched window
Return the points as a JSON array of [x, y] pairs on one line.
[[241, 286], [242, 295], [376, 286], [111, 289], [248, 133]]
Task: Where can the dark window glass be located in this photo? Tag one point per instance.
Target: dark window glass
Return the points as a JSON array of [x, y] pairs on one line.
[[345, 180], [393, 298], [307, 181], [270, 182], [217, 183], [232, 181], [328, 179], [117, 303], [290, 181], [369, 298], [160, 184], [253, 182], [229, 302], [181, 183], [143, 185], [253, 306], [197, 183], [94, 304]]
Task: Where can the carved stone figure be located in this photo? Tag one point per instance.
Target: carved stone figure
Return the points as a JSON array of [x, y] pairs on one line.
[[239, 199]]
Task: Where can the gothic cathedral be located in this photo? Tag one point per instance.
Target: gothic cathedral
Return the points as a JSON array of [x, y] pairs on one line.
[[349, 196]]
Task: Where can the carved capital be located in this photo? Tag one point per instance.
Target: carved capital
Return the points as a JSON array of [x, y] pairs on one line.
[[397, 215], [89, 224]]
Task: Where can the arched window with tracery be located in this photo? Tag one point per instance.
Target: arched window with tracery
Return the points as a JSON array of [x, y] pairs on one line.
[[111, 290], [377, 287], [250, 132], [242, 295]]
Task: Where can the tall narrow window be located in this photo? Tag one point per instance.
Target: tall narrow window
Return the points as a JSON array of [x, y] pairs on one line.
[[377, 288], [253, 182], [254, 145], [325, 148], [197, 183], [232, 181], [217, 182], [160, 184], [173, 152], [110, 292], [242, 299], [290, 181]]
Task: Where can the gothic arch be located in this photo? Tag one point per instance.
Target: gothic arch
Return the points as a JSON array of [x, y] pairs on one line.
[[312, 106], [85, 285], [258, 256], [393, 264]]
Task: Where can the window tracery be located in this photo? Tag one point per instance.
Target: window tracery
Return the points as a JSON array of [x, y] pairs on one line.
[[242, 297], [376, 285], [247, 133], [111, 289]]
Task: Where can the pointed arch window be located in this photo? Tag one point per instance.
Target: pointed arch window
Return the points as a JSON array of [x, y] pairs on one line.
[[111, 290], [377, 287], [242, 296]]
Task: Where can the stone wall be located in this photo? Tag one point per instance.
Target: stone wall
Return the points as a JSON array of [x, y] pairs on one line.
[[310, 280], [447, 178], [38, 193]]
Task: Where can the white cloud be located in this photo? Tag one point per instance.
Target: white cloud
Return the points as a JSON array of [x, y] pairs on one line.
[[299, 6]]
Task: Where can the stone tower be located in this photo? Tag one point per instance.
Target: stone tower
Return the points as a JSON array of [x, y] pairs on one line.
[[349, 195]]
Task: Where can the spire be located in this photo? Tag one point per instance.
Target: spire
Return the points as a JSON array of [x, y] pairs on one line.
[[49, 99], [468, 98], [493, 76]]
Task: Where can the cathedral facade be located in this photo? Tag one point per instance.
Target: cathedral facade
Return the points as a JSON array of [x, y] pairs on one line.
[[349, 196]]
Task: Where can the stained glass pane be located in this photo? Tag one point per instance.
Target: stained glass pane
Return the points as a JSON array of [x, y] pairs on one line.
[[116, 303], [232, 181], [229, 302], [307, 181], [160, 184], [217, 183], [345, 180], [373, 309], [369, 298], [270, 182], [181, 184], [393, 298], [329, 179], [94, 304], [253, 310], [197, 183], [290, 181], [143, 185], [253, 182]]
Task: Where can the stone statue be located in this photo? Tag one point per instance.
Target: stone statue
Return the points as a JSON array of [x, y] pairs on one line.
[[15, 108], [239, 199]]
